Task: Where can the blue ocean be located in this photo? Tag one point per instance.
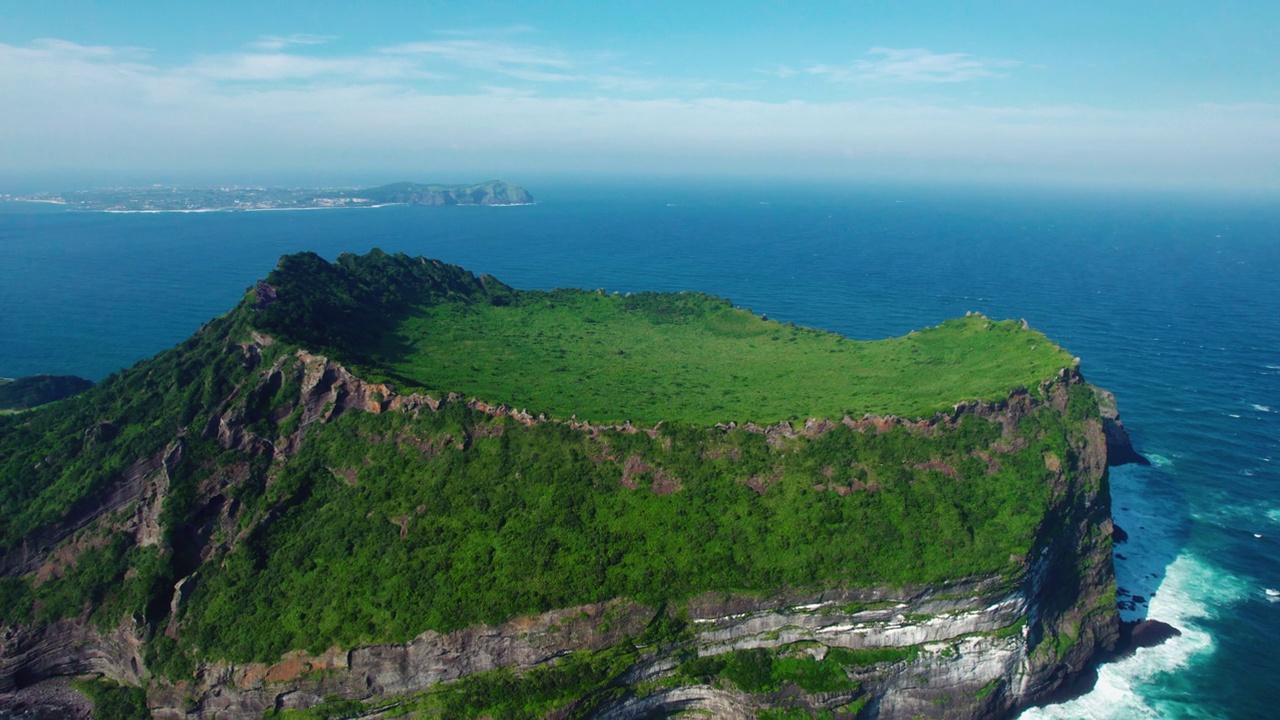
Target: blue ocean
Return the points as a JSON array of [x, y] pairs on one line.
[[1172, 302]]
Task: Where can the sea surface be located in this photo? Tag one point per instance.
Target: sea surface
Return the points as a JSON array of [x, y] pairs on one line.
[[1172, 302]]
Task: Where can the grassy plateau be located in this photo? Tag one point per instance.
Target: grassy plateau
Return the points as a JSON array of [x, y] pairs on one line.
[[648, 357], [376, 527], [696, 359]]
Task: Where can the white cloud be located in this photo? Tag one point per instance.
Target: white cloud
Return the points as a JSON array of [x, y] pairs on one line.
[[915, 65], [279, 42], [780, 71], [102, 109], [503, 31], [524, 62], [268, 67], [53, 47]]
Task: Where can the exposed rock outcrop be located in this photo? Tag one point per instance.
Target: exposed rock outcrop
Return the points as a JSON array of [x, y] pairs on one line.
[[70, 648], [1119, 449]]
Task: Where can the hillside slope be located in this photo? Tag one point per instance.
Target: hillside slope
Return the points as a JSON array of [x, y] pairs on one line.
[[364, 488]]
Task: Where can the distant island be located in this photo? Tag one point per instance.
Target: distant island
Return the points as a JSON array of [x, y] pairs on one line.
[[28, 392], [159, 198]]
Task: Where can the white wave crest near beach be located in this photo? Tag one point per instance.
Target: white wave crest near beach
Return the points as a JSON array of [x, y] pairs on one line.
[[1191, 590]]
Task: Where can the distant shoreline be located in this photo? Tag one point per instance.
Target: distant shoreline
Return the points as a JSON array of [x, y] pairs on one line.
[[243, 209], [271, 209], [162, 199]]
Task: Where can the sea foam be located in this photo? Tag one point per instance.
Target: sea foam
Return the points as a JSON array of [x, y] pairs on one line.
[[1191, 590], [1178, 588]]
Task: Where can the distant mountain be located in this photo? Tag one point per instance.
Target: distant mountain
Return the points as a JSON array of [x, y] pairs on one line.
[[494, 192], [28, 392]]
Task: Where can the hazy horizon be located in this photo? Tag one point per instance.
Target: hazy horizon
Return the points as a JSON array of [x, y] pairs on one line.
[[1151, 95]]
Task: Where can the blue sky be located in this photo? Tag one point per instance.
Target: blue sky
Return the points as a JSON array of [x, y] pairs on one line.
[[1160, 94]]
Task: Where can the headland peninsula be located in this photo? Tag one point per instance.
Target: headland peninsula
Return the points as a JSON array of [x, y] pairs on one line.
[[386, 485]]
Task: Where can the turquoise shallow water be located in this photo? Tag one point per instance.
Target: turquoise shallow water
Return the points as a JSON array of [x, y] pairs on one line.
[[1171, 303]]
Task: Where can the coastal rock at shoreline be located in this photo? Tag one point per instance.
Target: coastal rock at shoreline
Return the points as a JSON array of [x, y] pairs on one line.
[[1119, 448], [1143, 634]]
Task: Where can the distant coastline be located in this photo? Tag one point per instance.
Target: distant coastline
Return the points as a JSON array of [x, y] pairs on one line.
[[114, 211], [167, 199], [281, 209]]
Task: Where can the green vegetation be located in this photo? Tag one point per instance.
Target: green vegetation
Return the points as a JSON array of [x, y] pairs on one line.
[[874, 656], [793, 714], [989, 688], [70, 452], [761, 670], [646, 358], [99, 582], [574, 684], [696, 359], [456, 518], [1012, 630], [855, 707], [115, 702], [577, 684], [377, 527]]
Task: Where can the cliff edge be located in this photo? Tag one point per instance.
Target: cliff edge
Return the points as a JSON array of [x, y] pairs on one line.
[[285, 518]]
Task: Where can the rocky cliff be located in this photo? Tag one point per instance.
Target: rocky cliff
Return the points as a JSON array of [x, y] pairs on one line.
[[974, 648], [129, 581]]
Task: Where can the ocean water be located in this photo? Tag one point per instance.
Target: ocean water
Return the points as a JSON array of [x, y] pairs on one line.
[[1171, 302]]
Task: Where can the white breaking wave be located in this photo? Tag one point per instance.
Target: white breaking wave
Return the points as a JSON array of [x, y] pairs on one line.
[[1177, 590], [1189, 591], [1262, 408]]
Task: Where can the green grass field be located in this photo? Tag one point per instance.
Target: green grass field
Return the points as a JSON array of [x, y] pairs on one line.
[[694, 358]]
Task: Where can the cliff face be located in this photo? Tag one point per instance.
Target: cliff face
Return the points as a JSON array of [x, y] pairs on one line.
[[246, 524], [974, 647]]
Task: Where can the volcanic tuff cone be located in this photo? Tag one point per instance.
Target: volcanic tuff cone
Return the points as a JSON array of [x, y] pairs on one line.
[[388, 481]]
